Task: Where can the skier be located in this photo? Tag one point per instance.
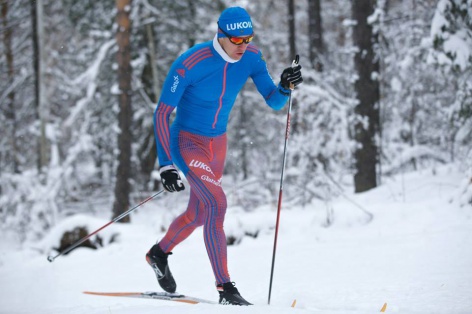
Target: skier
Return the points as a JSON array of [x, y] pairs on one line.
[[203, 84]]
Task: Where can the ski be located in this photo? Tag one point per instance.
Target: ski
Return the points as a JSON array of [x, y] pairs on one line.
[[154, 295]]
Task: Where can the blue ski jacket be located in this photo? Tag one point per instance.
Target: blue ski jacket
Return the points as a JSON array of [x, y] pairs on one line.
[[203, 84]]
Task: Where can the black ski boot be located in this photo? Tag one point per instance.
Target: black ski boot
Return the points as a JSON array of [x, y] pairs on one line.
[[229, 295], [157, 258]]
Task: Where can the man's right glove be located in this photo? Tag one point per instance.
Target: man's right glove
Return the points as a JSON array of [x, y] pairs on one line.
[[291, 77], [170, 179]]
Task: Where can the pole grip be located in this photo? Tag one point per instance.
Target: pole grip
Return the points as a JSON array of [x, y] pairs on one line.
[[294, 64]]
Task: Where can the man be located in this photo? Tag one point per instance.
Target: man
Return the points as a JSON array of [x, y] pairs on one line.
[[203, 84]]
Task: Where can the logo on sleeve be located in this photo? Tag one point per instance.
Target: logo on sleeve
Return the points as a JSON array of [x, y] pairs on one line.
[[175, 85], [181, 72]]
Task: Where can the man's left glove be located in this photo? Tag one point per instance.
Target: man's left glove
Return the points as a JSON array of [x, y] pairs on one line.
[[291, 77], [170, 179]]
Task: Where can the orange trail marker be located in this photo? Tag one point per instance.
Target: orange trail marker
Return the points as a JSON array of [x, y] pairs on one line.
[[384, 308]]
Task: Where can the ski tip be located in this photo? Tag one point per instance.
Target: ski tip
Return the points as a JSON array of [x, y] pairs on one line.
[[384, 308], [294, 303], [88, 292]]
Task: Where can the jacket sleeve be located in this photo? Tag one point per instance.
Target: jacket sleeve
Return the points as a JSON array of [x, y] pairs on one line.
[[162, 134], [172, 91], [275, 95]]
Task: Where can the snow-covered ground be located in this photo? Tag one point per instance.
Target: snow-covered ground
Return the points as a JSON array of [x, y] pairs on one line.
[[415, 255]]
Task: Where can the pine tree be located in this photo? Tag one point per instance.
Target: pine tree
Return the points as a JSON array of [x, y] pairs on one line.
[[367, 90], [125, 115]]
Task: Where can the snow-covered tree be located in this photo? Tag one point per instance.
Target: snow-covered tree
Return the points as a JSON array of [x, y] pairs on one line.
[[425, 106], [451, 32]]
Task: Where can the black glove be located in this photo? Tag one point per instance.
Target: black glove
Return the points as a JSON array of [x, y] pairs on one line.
[[170, 179], [291, 77]]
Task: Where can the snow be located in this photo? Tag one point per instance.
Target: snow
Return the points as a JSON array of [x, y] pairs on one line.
[[459, 46], [415, 255], [88, 79], [456, 43]]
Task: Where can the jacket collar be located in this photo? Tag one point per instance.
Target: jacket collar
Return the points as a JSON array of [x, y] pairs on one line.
[[221, 52]]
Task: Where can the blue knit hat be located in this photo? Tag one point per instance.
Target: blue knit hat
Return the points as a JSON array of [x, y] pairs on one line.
[[236, 22]]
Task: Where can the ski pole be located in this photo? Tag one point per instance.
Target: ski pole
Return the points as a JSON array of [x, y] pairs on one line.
[[279, 205], [79, 242]]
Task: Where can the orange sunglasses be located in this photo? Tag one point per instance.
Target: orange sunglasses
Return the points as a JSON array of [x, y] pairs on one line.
[[238, 40]]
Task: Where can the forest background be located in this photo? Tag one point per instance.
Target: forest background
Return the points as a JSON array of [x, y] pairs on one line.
[[387, 90]]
